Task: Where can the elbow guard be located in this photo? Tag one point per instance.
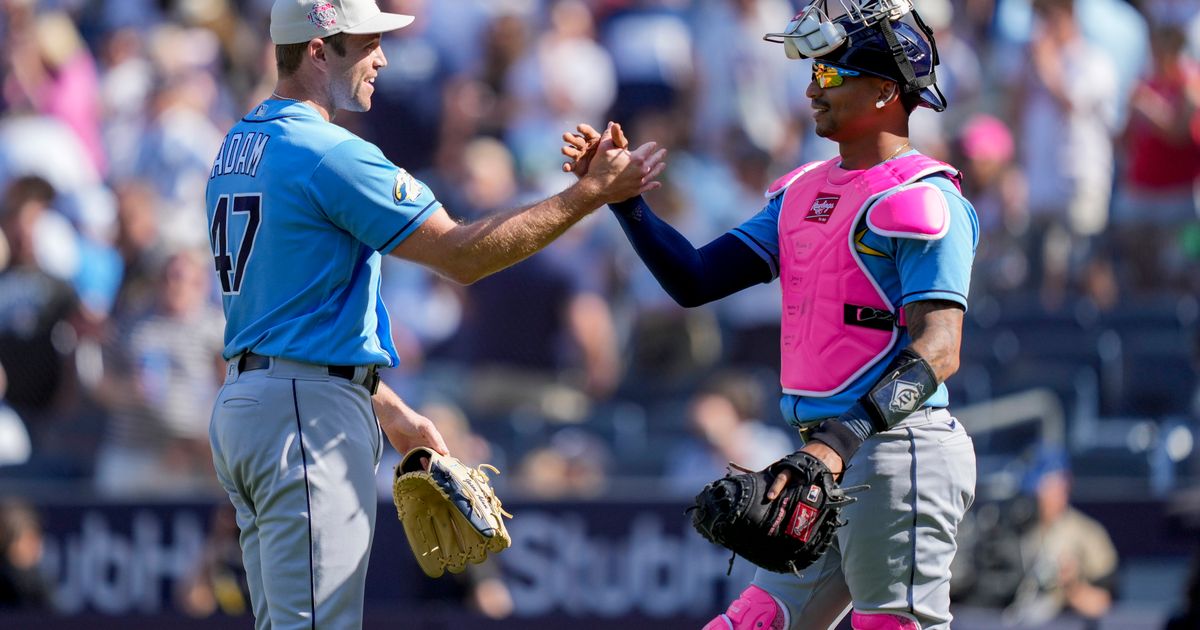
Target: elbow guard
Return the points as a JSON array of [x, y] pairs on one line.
[[906, 384]]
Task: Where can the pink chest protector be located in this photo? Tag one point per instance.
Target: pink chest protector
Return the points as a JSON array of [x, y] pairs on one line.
[[837, 321]]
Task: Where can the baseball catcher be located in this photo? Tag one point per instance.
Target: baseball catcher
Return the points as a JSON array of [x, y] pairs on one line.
[[784, 535], [873, 252], [450, 512]]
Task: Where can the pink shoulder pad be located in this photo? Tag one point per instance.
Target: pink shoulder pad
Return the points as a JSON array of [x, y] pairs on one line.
[[782, 183], [917, 211]]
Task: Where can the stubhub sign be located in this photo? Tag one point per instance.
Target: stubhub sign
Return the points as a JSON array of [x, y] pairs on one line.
[[560, 563], [587, 560]]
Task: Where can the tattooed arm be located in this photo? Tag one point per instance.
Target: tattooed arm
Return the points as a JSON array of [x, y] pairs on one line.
[[936, 330]]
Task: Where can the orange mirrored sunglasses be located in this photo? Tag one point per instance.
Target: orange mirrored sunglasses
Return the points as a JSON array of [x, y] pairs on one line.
[[828, 76]]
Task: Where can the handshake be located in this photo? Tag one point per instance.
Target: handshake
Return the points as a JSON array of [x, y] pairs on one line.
[[605, 166]]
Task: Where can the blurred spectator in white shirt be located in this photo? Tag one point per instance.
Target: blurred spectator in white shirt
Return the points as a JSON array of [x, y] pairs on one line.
[[182, 135], [164, 371], [563, 79], [1157, 196], [744, 83], [1068, 105], [126, 85]]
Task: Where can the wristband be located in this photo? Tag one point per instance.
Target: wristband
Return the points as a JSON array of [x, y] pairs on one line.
[[838, 436]]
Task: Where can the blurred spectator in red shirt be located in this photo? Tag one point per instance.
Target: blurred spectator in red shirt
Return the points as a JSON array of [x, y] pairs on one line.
[[1158, 195]]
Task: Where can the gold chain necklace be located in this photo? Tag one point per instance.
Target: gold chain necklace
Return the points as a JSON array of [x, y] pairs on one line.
[[898, 150]]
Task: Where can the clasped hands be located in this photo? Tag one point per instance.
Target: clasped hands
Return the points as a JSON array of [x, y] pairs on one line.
[[605, 166]]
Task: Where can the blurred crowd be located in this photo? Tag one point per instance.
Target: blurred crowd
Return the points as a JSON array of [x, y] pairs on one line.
[[1075, 124]]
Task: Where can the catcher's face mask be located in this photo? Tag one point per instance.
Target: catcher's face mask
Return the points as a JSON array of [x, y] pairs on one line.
[[884, 38], [817, 31]]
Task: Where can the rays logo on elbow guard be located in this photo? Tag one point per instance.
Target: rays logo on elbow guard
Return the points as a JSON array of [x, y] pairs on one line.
[[905, 396]]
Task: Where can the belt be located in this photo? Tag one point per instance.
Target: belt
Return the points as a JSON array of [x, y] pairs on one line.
[[250, 362]]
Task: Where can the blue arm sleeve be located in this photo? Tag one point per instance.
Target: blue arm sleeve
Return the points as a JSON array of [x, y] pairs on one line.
[[690, 276]]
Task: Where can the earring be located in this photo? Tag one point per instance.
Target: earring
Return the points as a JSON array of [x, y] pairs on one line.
[[879, 104]]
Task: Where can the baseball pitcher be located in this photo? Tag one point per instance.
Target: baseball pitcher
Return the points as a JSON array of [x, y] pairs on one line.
[[300, 212]]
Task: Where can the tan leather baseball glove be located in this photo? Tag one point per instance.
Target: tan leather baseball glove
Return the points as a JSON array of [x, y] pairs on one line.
[[450, 511]]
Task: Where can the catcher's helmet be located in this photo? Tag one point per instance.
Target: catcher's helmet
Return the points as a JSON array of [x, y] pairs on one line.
[[874, 37]]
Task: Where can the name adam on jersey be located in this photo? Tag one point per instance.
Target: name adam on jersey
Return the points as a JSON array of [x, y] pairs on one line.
[[240, 154]]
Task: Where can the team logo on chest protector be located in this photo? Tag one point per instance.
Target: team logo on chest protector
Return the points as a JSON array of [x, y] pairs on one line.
[[822, 208]]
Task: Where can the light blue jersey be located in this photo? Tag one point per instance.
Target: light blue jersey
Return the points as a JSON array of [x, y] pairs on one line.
[[907, 270], [299, 211]]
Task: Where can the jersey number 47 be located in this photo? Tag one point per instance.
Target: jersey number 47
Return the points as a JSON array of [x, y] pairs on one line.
[[230, 270]]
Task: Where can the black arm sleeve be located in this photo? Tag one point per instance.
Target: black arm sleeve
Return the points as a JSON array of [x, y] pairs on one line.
[[690, 276]]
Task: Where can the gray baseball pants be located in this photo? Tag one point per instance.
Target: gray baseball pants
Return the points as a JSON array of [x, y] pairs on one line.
[[893, 556], [297, 450]]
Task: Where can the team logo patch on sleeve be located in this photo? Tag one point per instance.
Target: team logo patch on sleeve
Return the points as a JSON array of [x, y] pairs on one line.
[[822, 208], [407, 187], [323, 15]]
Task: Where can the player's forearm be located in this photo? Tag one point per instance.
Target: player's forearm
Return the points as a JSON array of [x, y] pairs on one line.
[[669, 256], [936, 330], [495, 242], [390, 410], [690, 276], [388, 405]]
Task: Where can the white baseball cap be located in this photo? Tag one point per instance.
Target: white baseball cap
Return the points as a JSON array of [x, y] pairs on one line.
[[296, 21]]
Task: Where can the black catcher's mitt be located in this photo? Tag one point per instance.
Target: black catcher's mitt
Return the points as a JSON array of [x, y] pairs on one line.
[[784, 535]]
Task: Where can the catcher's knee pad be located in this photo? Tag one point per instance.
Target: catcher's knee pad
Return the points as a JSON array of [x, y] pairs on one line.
[[881, 621], [755, 609]]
